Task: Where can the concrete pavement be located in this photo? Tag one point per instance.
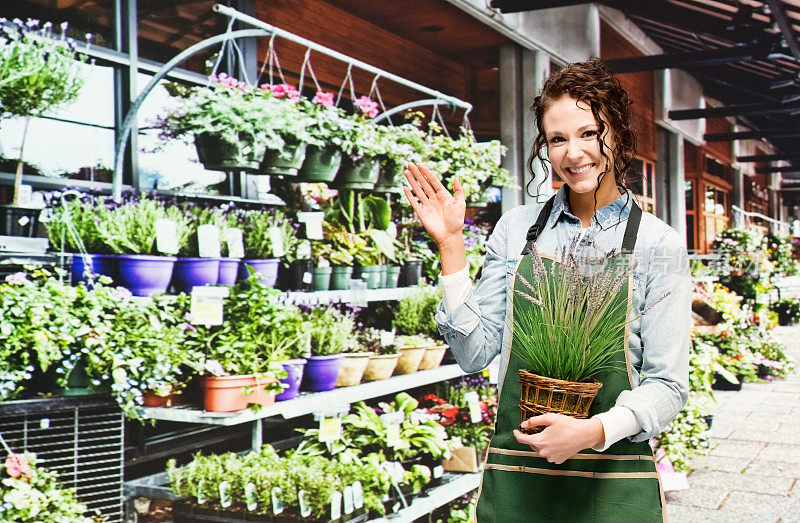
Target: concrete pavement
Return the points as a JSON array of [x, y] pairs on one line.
[[753, 470]]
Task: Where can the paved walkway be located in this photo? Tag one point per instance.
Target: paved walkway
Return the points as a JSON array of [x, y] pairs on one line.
[[753, 470]]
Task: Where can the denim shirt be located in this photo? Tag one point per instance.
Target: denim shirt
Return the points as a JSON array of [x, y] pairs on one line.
[[658, 341]]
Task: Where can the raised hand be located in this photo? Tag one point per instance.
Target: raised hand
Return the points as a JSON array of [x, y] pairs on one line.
[[441, 213]]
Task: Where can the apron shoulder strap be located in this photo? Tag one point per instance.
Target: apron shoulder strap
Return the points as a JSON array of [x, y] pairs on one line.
[[632, 228], [536, 228]]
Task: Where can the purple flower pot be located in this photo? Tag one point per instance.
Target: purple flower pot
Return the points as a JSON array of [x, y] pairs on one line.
[[228, 270], [266, 269], [145, 275], [194, 272], [294, 371], [99, 264], [321, 372]]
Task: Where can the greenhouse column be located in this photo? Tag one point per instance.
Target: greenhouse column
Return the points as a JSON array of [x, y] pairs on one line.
[[511, 122], [774, 202], [535, 69], [671, 168], [738, 195]]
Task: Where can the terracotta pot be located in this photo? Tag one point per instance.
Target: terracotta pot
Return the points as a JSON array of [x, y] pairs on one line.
[[151, 399], [225, 393], [352, 369], [410, 358], [380, 367], [433, 357]]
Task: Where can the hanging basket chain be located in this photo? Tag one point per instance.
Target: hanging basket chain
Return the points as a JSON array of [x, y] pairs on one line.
[[375, 90], [311, 71], [228, 31], [347, 77]]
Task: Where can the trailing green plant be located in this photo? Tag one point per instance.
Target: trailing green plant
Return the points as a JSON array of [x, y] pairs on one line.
[[31, 493], [575, 319], [415, 312], [330, 331], [686, 437], [84, 213], [779, 252]]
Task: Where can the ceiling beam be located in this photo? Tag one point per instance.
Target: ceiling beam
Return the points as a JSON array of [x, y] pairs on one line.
[[731, 110], [752, 135], [688, 60], [516, 6], [782, 169], [766, 158], [779, 15]]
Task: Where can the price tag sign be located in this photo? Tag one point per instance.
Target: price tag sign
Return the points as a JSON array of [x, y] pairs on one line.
[[494, 371], [276, 239], [308, 277], [437, 472], [313, 222], [25, 196], [330, 429], [206, 307], [348, 500], [474, 405], [235, 241], [387, 338], [336, 505], [392, 423], [201, 494], [358, 290], [305, 509], [225, 494], [166, 236], [250, 498], [358, 495], [208, 242], [277, 504]]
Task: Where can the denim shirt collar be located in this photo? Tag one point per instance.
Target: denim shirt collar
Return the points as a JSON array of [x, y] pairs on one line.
[[605, 217]]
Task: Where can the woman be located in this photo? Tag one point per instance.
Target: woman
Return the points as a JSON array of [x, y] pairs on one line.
[[600, 468]]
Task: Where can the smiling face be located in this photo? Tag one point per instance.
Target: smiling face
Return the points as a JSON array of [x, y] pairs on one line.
[[574, 150]]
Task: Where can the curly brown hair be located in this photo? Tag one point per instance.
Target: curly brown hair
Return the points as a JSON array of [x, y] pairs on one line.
[[592, 83]]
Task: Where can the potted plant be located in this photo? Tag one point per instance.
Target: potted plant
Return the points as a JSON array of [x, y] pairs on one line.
[[295, 125], [476, 163], [83, 213], [129, 231], [232, 124], [321, 252], [361, 165], [408, 248], [192, 270], [265, 234], [404, 143], [332, 333], [334, 129], [343, 246], [788, 310], [38, 72], [383, 357], [412, 350], [415, 312], [29, 491]]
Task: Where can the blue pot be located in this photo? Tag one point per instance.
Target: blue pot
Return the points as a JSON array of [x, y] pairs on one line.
[[294, 375], [194, 272], [266, 269], [228, 271], [145, 275], [321, 372], [98, 264]]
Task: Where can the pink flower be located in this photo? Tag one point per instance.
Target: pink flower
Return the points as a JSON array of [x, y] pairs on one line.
[[281, 90], [18, 278], [227, 81], [17, 465], [324, 98], [367, 106]]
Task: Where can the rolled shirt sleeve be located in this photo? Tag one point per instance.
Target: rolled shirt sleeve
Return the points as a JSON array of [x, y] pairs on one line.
[[664, 375], [474, 328]]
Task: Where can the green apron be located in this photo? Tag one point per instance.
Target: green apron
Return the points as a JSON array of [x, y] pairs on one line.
[[620, 484]]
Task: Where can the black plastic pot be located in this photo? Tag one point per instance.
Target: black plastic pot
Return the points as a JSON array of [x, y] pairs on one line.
[[411, 273], [293, 277], [18, 221], [721, 383]]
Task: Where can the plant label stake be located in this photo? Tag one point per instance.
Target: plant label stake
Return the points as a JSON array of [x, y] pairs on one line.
[[358, 289], [208, 244], [277, 504], [358, 495], [392, 423], [336, 505], [305, 510], [437, 472], [25, 195], [473, 403], [387, 338], [250, 498], [225, 494], [235, 241], [201, 495], [276, 239], [313, 222], [330, 429], [166, 236], [348, 499], [206, 308]]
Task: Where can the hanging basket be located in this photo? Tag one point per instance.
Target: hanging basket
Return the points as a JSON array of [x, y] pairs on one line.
[[218, 154], [540, 395]]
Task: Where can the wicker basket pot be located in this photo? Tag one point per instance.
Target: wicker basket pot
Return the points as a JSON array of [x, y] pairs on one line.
[[410, 358], [433, 357], [540, 395]]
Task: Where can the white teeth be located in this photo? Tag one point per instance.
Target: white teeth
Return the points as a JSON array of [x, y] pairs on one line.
[[579, 170]]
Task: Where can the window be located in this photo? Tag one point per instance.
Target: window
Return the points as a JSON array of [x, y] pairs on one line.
[[641, 181], [691, 214]]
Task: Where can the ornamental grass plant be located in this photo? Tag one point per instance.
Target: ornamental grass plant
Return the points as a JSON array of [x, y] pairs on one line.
[[576, 321]]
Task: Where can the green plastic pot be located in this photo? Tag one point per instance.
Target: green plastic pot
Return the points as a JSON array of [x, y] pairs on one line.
[[284, 162], [358, 174], [217, 154], [321, 164], [78, 382], [370, 274], [392, 276], [384, 276], [340, 278], [321, 279], [389, 179]]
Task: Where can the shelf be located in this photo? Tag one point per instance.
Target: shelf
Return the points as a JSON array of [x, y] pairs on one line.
[[453, 486], [350, 296], [308, 403]]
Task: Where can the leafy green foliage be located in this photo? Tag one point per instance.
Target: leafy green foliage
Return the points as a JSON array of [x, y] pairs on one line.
[[130, 228], [330, 331], [686, 437], [415, 312]]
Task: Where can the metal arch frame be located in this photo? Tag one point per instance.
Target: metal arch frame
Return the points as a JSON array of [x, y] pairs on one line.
[[122, 138], [264, 29]]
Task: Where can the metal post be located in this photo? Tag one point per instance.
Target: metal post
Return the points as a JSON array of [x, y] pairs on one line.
[[257, 439], [125, 36], [535, 69], [738, 196], [511, 123], [677, 185]]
